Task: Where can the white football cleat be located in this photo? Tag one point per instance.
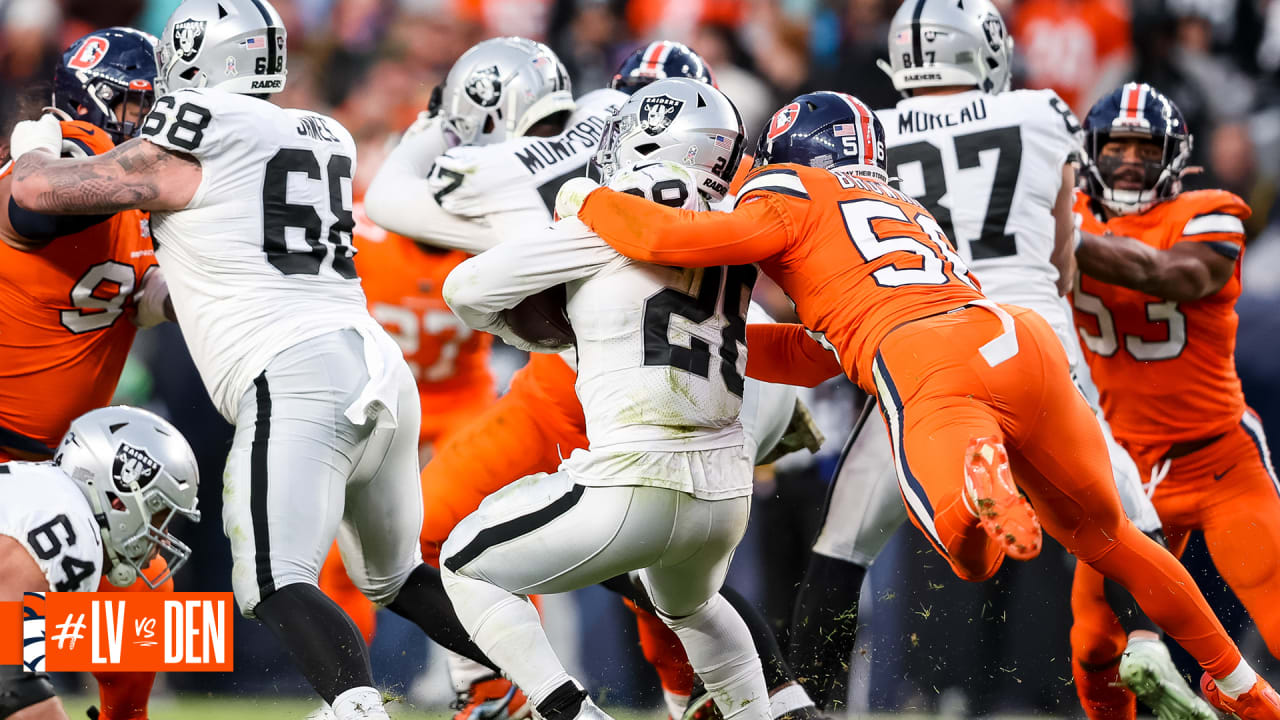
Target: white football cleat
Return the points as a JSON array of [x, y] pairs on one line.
[[1148, 671]]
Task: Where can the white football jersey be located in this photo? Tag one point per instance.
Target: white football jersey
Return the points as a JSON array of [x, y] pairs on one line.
[[522, 174], [989, 167], [661, 350], [261, 259], [45, 512]]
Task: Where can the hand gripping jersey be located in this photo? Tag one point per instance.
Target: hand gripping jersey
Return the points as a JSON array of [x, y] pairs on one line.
[[261, 259], [45, 512], [989, 168], [1165, 370], [65, 314], [402, 282], [857, 257], [523, 174]]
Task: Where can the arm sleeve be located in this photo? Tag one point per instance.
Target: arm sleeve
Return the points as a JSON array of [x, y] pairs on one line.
[[401, 198], [642, 230], [786, 354], [479, 289], [41, 228], [1219, 224]]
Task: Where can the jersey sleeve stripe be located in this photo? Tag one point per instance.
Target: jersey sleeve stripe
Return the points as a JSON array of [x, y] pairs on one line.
[[785, 182], [1213, 223], [88, 151], [1225, 248]]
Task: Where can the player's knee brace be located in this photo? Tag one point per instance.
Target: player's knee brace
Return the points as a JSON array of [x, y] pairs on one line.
[[20, 689]]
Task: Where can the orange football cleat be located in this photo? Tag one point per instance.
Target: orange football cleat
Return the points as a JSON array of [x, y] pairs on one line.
[[1260, 703], [494, 698], [1001, 509]]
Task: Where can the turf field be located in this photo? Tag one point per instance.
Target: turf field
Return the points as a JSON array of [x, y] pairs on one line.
[[190, 707]]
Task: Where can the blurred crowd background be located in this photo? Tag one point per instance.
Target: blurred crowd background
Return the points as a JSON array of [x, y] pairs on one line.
[[931, 642]]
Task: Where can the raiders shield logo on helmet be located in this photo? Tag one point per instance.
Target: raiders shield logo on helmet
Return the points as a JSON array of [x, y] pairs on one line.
[[188, 35], [133, 467], [484, 86], [657, 112], [994, 30]]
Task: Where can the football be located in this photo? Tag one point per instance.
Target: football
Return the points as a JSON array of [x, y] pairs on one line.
[[541, 319]]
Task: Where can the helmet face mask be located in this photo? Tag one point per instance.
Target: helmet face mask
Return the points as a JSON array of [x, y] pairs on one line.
[[138, 474], [107, 78], [501, 88], [1135, 111], [938, 43], [679, 120], [235, 45]]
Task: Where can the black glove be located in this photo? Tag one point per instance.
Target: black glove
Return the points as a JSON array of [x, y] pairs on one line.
[[437, 97]]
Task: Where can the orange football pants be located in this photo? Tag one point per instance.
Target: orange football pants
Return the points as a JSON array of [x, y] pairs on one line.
[[124, 695], [1227, 490], [939, 394]]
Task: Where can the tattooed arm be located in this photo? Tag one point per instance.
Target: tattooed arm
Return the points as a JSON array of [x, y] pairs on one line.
[[136, 174]]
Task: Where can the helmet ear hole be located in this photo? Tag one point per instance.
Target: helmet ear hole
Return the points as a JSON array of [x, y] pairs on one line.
[[189, 73], [488, 125], [648, 148]]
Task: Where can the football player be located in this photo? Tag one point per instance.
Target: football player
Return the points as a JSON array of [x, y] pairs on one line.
[[496, 185], [665, 486], [402, 280], [75, 289], [1015, 229], [251, 210], [974, 393], [1155, 307], [98, 513]]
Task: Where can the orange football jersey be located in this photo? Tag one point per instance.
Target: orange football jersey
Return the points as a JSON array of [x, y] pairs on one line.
[[1165, 370], [402, 281], [65, 315], [856, 256]]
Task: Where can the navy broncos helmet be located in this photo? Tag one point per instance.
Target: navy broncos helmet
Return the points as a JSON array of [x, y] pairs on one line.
[[1136, 110], [657, 61], [105, 71], [824, 130]]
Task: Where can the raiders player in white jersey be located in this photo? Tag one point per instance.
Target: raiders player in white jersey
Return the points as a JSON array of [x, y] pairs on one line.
[[467, 177], [104, 504], [665, 485], [251, 214], [994, 167]]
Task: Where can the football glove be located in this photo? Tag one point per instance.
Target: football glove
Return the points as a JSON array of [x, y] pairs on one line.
[[42, 134], [572, 194]]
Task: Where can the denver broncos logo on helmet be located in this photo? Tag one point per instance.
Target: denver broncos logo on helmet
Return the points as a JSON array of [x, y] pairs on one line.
[[90, 53], [783, 120]]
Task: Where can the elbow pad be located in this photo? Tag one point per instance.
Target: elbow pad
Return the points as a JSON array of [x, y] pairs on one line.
[[39, 227]]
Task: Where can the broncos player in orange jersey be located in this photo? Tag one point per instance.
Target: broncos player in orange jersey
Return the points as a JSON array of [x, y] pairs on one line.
[[402, 280], [976, 396], [1155, 308], [74, 289]]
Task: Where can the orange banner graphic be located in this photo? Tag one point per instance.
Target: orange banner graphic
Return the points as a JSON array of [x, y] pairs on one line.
[[10, 633], [138, 632]]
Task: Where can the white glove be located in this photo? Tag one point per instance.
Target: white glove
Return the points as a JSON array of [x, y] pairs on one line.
[[151, 298], [572, 194], [42, 134]]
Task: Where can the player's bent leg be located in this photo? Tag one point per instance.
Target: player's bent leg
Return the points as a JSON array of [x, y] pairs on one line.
[[664, 653], [28, 695], [1097, 642], [863, 509], [932, 444], [509, 440], [335, 583], [1242, 532]]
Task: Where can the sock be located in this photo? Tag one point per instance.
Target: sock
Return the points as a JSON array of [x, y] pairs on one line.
[[465, 672], [777, 674], [563, 702], [788, 699], [1238, 681], [719, 647], [1101, 693], [675, 702], [824, 628], [324, 644], [663, 651], [507, 628], [360, 703], [423, 601], [1127, 610], [123, 696]]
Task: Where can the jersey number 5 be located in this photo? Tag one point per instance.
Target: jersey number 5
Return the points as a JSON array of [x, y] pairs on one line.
[[1107, 341]]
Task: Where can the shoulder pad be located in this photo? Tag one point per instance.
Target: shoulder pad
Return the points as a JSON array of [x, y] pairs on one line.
[[87, 138], [781, 179]]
